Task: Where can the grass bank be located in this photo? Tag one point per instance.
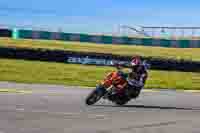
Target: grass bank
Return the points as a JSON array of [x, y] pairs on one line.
[[81, 75], [175, 53]]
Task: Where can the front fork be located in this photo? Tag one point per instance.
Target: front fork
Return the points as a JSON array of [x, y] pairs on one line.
[[106, 92], [101, 89]]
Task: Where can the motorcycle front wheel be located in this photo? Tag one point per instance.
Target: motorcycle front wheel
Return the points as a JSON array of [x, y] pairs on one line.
[[93, 97]]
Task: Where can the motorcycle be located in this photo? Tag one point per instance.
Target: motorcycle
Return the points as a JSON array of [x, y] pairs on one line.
[[111, 88]]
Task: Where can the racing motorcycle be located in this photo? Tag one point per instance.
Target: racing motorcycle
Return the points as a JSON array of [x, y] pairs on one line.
[[111, 88]]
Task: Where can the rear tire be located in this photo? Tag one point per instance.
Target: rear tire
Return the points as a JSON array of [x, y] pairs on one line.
[[121, 102]]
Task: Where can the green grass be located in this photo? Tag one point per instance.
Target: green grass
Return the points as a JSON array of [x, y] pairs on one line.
[[81, 75], [175, 53], [13, 90]]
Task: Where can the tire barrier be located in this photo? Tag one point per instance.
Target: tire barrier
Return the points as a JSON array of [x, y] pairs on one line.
[[94, 58]]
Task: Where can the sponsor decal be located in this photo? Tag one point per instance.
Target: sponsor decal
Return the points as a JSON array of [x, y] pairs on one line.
[[95, 61]]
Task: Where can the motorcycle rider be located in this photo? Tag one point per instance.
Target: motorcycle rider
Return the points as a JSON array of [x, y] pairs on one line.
[[120, 87], [136, 78]]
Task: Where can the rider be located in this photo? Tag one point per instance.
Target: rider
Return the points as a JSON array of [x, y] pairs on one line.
[[137, 77]]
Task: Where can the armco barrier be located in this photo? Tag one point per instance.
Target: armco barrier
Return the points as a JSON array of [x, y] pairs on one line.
[[62, 56]]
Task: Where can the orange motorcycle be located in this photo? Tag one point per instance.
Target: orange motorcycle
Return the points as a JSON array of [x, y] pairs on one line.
[[111, 88]]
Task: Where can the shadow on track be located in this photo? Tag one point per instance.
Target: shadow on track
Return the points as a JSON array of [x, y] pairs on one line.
[[150, 107]]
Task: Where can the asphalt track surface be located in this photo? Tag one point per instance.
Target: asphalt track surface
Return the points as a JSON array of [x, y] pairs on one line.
[[60, 109]]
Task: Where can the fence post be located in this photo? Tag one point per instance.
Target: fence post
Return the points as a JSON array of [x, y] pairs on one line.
[[15, 33]]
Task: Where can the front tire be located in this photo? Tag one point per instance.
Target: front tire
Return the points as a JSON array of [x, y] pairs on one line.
[[93, 97]]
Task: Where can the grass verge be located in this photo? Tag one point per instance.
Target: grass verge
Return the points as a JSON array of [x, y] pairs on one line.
[[10, 90], [81, 75], [175, 53]]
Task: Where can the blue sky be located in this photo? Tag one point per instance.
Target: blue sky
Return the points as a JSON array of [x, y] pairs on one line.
[[99, 16]]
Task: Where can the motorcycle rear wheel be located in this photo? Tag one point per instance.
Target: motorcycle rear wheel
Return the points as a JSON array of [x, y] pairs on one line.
[[121, 102]]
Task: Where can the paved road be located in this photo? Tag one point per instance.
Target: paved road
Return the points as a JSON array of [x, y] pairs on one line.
[[59, 109]]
